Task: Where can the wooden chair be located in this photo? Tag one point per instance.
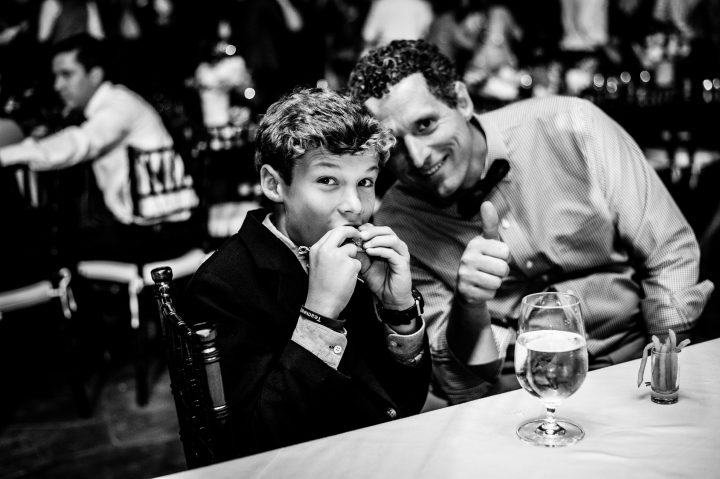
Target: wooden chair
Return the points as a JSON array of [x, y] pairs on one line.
[[195, 381]]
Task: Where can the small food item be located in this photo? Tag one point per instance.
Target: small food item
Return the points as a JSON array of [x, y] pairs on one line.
[[356, 241]]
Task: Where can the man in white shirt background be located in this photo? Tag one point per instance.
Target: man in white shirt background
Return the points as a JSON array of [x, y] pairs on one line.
[[115, 118]]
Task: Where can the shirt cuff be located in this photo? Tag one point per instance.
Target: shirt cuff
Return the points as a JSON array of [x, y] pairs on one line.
[[407, 349], [460, 382], [16, 153], [326, 344], [682, 310]]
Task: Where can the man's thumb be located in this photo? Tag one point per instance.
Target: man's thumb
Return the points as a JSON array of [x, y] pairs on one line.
[[490, 221]]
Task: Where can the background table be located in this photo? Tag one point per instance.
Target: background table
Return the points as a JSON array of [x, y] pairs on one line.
[[626, 436]]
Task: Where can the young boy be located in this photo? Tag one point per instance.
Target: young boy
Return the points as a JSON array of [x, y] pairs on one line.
[[319, 328]]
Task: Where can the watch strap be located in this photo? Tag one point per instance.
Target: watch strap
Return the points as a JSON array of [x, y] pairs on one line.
[[405, 316]]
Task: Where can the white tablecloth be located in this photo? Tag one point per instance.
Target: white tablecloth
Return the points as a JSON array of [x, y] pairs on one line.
[[627, 436]]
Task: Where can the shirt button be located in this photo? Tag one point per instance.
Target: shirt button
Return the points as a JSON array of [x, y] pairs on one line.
[[394, 344], [391, 413], [337, 349], [529, 264], [505, 223]]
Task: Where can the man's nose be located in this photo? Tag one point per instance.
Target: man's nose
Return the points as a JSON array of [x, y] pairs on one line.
[[58, 84], [417, 151]]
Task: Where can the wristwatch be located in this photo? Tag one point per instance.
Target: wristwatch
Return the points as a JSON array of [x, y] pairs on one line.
[[405, 316]]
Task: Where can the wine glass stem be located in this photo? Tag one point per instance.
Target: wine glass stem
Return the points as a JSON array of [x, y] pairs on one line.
[[550, 426]]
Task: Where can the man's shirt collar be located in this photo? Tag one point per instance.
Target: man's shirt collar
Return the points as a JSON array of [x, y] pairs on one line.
[[496, 148], [97, 98]]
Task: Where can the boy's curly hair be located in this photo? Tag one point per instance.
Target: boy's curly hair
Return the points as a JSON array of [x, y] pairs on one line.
[[383, 67]]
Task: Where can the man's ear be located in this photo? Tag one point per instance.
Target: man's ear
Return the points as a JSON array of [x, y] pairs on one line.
[[464, 102], [97, 75], [272, 184]]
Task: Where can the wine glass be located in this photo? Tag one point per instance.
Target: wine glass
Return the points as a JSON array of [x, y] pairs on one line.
[[551, 362]]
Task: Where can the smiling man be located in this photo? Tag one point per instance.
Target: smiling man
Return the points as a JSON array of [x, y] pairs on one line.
[[319, 328], [580, 210]]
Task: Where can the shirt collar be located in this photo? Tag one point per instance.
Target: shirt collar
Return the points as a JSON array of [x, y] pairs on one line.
[[102, 91], [496, 147], [301, 252]]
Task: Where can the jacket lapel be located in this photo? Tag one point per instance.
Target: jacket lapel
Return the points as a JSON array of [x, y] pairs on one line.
[[277, 264], [356, 362]]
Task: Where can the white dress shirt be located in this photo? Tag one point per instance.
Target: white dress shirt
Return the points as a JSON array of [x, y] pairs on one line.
[[116, 118]]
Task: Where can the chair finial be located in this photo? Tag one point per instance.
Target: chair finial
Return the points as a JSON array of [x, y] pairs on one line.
[[163, 274]]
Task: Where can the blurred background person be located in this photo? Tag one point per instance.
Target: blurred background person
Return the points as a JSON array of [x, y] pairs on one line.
[[114, 119], [390, 20], [283, 44], [61, 19], [458, 31]]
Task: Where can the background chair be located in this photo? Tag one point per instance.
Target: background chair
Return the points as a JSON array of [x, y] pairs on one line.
[[193, 363], [229, 183], [36, 300], [163, 194]]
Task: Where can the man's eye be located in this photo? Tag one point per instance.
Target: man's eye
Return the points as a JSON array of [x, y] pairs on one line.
[[367, 183], [424, 124], [326, 180]]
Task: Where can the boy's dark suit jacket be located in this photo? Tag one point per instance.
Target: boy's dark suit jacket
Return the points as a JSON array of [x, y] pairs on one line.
[[279, 393]]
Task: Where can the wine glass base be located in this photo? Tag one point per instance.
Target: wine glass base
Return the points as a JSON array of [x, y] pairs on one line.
[[533, 433]]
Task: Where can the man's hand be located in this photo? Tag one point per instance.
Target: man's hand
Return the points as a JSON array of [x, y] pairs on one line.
[[333, 272], [484, 264], [386, 266]]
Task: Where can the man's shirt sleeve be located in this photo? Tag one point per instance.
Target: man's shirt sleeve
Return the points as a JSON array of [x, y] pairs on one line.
[[648, 218], [107, 126]]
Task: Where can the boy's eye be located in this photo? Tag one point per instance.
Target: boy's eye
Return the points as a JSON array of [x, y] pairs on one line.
[[367, 183], [326, 180]]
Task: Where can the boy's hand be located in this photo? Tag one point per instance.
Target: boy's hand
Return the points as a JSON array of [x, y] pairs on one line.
[[333, 272], [386, 266]]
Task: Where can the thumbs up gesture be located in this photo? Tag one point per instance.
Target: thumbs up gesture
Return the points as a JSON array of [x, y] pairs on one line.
[[484, 264]]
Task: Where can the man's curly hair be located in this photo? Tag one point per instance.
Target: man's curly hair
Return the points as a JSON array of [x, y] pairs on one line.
[[385, 66]]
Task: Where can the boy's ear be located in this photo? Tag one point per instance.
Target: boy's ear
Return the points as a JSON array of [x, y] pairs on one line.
[[272, 184], [464, 102]]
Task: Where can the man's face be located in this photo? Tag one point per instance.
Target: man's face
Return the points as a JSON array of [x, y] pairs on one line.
[[328, 191], [73, 83], [442, 148]]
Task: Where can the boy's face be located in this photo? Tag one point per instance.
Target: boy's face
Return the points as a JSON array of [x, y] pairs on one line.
[[328, 191]]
